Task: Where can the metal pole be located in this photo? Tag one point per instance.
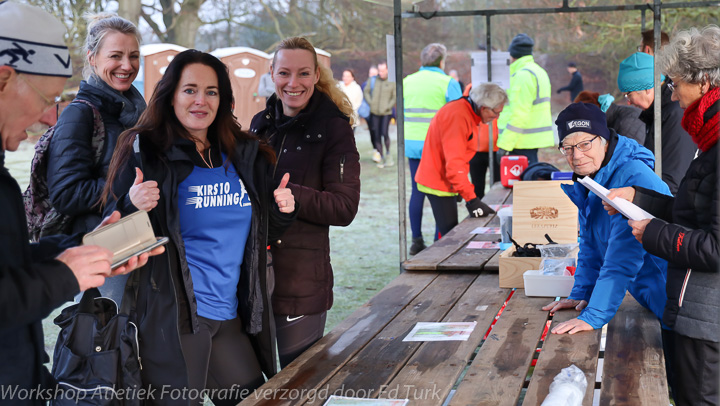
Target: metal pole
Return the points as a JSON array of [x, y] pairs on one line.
[[657, 101], [642, 19], [491, 152], [400, 121]]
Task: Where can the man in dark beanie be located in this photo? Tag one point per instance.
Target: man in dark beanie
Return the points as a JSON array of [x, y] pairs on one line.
[[611, 261], [526, 122]]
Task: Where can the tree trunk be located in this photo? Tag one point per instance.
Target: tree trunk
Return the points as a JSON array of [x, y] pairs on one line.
[[130, 9], [185, 24]]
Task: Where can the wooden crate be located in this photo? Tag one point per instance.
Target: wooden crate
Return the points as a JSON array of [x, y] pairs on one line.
[[512, 268], [539, 208]]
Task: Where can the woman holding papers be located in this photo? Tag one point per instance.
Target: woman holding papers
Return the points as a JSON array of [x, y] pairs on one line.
[[610, 262], [686, 228], [204, 312]]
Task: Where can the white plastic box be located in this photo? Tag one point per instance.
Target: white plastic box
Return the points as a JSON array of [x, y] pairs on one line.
[[537, 284]]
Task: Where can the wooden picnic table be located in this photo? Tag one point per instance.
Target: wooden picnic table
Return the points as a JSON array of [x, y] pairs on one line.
[[505, 361]]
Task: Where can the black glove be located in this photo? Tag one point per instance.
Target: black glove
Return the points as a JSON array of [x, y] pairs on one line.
[[477, 208]]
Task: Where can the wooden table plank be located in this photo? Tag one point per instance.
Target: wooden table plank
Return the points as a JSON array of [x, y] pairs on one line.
[[314, 367], [493, 264], [436, 366], [378, 362], [498, 372], [429, 258], [561, 351], [634, 366]]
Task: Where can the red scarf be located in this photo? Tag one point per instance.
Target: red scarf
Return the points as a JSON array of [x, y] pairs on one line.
[[703, 130]]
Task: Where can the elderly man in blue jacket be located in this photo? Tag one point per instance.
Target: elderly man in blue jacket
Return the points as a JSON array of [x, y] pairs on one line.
[[611, 261]]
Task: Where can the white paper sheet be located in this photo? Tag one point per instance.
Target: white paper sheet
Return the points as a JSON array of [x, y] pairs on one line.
[[424, 331], [628, 209], [348, 401]]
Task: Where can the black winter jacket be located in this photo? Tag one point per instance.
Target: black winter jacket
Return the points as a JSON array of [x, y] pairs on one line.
[[574, 87], [317, 147], [685, 233], [32, 284], [75, 184], [166, 300], [625, 120], [678, 148]]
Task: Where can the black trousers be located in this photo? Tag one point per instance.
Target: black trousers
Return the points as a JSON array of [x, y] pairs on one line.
[[694, 364], [445, 211], [478, 169], [221, 359], [379, 128], [295, 334]]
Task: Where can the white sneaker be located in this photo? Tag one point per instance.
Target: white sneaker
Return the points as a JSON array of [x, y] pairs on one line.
[[376, 156]]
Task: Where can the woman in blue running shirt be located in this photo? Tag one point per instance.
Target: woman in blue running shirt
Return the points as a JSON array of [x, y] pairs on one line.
[[204, 312]]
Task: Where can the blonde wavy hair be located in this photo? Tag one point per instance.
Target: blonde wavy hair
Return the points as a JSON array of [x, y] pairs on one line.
[[326, 83]]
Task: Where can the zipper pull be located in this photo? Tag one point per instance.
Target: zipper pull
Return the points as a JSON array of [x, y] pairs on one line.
[[342, 167]]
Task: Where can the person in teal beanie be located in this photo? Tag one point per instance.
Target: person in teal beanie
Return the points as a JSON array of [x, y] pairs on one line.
[[610, 261], [635, 80]]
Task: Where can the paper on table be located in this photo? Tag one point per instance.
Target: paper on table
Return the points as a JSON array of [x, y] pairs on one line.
[[488, 245], [486, 230], [348, 401], [424, 331], [628, 209]]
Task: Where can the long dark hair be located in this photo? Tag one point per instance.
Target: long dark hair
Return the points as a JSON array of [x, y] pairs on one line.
[[158, 126]]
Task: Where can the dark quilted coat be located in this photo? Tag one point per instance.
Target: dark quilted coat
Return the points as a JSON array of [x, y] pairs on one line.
[[317, 147]]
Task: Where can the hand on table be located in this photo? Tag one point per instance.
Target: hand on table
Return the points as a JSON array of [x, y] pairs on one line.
[[565, 304], [627, 193], [144, 195], [284, 197], [638, 228], [571, 327]]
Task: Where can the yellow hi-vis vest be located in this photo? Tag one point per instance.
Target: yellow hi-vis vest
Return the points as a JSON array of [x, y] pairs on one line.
[[526, 122], [423, 94]]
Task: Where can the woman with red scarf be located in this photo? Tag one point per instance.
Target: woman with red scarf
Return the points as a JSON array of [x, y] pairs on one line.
[[685, 230]]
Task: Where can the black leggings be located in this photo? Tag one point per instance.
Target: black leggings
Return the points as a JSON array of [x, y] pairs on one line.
[[220, 356], [295, 334], [445, 211]]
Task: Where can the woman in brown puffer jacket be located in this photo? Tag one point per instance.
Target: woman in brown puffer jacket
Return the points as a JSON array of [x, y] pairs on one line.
[[307, 121]]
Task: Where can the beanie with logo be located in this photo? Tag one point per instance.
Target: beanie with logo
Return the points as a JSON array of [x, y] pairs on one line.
[[582, 117]]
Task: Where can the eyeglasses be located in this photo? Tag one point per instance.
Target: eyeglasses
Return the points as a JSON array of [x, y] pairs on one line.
[[583, 146], [49, 102], [671, 85], [640, 48], [627, 95]]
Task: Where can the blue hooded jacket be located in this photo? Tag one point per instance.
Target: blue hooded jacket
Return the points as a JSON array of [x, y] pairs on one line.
[[611, 261]]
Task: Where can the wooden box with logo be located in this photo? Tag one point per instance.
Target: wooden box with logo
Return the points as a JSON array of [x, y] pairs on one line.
[[539, 208]]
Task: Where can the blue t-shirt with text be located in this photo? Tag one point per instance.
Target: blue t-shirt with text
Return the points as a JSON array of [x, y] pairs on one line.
[[215, 217]]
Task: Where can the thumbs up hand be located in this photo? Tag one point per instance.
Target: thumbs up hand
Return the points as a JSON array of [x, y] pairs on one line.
[[144, 195], [284, 197]]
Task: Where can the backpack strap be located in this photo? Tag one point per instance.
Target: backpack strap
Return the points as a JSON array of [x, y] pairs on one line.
[[98, 139]]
